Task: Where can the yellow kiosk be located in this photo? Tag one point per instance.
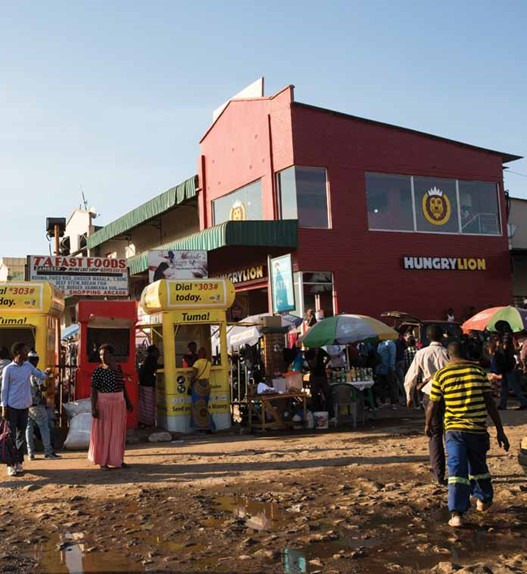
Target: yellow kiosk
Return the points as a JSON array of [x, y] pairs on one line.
[[29, 313], [189, 311]]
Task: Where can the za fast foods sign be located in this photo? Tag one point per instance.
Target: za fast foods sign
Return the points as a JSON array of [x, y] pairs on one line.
[[83, 276]]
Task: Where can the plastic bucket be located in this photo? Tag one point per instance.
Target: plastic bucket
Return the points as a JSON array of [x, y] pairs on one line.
[[321, 419]]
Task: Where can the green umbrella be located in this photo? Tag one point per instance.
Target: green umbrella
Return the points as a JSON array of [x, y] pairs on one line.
[[346, 329]]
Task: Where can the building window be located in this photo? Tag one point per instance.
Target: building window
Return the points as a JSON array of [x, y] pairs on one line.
[[478, 202], [431, 205], [436, 205], [303, 195], [389, 200], [318, 293], [240, 205]]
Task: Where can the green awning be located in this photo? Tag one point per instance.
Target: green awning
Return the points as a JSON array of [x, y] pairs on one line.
[[153, 208], [242, 233]]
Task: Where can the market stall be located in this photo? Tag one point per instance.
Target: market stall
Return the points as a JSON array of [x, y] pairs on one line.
[[188, 312], [30, 313], [350, 385], [111, 322]]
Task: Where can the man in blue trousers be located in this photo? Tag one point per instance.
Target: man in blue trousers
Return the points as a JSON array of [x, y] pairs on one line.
[[467, 394]]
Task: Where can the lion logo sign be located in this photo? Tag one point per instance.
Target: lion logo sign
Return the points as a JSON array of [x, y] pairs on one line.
[[436, 207], [238, 212]]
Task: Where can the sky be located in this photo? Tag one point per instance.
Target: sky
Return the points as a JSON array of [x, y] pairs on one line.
[[111, 97]]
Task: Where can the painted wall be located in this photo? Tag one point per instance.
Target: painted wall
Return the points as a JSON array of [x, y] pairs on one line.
[[369, 276], [256, 138], [250, 140]]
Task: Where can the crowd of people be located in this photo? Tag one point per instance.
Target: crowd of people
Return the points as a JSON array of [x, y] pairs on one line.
[[456, 382]]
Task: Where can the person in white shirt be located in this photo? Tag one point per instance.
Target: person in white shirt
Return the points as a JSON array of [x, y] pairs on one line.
[[426, 362], [16, 399]]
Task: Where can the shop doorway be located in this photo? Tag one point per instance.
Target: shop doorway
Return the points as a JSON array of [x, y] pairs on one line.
[[17, 335], [247, 303]]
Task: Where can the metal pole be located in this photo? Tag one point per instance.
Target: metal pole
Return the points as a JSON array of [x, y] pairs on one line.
[[56, 234]]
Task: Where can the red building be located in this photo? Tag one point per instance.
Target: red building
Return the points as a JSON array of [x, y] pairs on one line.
[[388, 217]]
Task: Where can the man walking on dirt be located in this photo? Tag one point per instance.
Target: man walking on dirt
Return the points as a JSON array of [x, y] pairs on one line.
[[467, 394], [426, 362], [16, 399]]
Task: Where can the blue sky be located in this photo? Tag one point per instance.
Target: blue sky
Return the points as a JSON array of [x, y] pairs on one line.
[[113, 96]]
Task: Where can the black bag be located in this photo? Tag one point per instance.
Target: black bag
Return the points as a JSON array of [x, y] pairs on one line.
[[8, 454]]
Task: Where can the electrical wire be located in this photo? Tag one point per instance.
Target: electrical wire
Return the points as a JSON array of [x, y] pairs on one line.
[[515, 173]]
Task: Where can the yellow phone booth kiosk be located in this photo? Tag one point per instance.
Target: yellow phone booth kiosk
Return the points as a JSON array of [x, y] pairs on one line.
[[29, 313], [189, 311]]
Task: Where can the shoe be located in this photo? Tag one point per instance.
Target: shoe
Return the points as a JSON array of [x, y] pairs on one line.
[[31, 456], [124, 465], [19, 468], [456, 521], [482, 505], [11, 471], [440, 481], [52, 455], [104, 467]]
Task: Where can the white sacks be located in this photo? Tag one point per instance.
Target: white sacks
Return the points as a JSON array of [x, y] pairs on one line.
[[80, 425]]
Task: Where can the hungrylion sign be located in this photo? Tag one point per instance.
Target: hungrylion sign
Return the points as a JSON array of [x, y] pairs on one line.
[[436, 206], [445, 263]]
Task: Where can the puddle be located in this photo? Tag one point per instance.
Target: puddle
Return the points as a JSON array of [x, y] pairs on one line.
[[397, 540], [257, 515], [72, 554]]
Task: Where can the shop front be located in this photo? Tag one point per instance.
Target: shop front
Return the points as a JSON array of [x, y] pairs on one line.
[[107, 322], [30, 313], [189, 312]]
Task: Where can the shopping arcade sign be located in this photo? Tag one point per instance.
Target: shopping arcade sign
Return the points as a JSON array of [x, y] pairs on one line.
[[82, 276]]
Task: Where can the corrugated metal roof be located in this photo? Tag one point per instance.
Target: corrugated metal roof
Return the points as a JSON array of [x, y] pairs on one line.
[[247, 233], [153, 208]]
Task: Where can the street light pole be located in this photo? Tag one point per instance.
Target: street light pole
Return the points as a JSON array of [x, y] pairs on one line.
[[56, 234]]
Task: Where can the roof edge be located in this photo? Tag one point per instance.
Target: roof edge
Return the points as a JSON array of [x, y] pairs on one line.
[[506, 157], [99, 237]]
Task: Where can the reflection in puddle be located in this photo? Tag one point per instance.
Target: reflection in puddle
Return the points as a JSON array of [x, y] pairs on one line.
[[70, 555], [294, 561], [73, 552], [257, 515]]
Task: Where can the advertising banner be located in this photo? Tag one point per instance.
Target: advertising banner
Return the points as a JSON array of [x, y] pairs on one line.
[[281, 280], [21, 297], [84, 276], [200, 294], [177, 265]]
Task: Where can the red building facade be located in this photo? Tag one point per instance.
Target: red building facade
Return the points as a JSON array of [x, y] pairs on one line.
[[388, 218]]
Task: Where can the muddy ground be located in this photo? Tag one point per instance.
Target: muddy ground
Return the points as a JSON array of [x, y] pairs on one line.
[[325, 501]]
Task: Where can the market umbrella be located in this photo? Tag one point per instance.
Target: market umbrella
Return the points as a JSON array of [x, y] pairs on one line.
[[487, 319], [346, 329]]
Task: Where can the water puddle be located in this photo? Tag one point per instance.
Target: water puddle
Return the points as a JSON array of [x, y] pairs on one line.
[[72, 554], [397, 540], [256, 515]]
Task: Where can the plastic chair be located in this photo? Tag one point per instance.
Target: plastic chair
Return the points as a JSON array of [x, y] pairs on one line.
[[344, 395]]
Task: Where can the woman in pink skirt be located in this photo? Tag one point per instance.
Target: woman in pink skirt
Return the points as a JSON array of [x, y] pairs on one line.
[[109, 403]]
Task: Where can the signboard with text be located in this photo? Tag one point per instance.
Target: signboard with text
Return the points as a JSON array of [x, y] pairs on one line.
[[82, 276], [21, 297], [281, 279], [177, 265]]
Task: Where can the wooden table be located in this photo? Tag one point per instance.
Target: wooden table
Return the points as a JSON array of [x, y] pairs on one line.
[[268, 410]]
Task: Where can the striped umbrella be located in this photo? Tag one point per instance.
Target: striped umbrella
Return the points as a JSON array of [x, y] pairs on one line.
[[487, 319], [346, 329]]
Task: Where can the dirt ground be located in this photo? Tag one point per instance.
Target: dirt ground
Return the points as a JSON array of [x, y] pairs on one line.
[[333, 501]]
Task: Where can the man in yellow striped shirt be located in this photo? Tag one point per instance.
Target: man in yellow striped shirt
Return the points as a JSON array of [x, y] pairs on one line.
[[467, 394]]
